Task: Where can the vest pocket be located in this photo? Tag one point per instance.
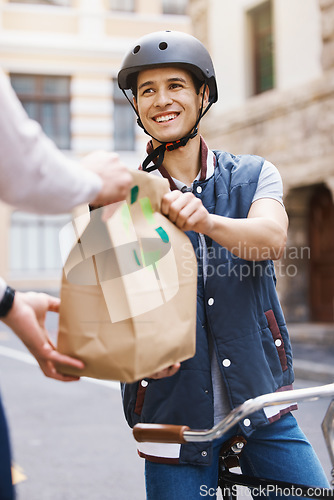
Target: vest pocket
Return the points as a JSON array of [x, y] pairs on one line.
[[277, 337]]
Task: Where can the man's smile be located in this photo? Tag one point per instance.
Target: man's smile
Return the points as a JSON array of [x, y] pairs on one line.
[[165, 118]]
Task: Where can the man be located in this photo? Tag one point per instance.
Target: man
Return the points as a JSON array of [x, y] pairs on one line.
[[232, 209], [36, 176]]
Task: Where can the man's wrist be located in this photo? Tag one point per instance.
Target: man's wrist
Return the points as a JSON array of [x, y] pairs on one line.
[[7, 301]]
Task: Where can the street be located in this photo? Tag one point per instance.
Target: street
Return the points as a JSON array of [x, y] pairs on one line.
[[70, 441]]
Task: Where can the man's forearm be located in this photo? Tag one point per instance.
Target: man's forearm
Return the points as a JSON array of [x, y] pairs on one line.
[[250, 239]]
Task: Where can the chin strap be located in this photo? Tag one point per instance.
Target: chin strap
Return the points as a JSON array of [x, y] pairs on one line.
[[157, 155]]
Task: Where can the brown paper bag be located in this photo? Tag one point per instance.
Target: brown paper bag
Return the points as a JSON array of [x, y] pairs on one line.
[[128, 295]]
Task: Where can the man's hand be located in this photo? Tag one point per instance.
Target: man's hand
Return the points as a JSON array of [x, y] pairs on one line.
[[115, 176], [186, 211], [167, 372], [27, 319]]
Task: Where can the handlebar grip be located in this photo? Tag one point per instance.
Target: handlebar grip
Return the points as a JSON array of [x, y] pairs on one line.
[[159, 433]]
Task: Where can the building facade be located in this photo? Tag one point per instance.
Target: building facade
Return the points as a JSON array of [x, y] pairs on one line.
[[63, 57], [275, 67]]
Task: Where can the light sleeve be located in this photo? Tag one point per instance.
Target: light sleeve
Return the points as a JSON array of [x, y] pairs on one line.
[[270, 184], [34, 175]]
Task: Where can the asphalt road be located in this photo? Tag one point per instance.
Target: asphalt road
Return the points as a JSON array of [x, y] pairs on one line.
[[70, 441]]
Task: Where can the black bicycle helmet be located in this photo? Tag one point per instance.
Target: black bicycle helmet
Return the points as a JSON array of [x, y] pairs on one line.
[[168, 48]]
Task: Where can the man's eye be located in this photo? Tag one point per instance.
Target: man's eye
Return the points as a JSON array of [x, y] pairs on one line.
[[147, 91], [175, 86]]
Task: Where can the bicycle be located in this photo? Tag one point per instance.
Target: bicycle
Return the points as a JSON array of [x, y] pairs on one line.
[[230, 452]]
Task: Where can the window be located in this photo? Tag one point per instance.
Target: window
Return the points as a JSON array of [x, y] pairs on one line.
[[60, 3], [124, 121], [263, 47], [47, 100], [124, 5], [175, 6], [34, 243]]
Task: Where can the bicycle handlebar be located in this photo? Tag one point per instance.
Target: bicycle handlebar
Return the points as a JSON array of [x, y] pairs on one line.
[[160, 433], [182, 434]]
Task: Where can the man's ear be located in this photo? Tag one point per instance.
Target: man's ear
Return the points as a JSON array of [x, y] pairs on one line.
[[135, 103], [206, 95]]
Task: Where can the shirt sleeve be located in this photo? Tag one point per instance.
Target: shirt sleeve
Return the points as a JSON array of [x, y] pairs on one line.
[[35, 175], [270, 184]]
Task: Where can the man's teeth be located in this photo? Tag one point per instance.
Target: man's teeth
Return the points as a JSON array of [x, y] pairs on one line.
[[165, 118]]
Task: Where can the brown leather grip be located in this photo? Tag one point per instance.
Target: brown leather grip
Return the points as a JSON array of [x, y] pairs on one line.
[[159, 433]]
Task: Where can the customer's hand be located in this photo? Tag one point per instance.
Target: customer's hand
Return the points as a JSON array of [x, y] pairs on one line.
[[27, 319], [116, 178]]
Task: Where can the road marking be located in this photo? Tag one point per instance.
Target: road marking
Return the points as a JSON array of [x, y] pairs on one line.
[[18, 355], [25, 357], [18, 474]]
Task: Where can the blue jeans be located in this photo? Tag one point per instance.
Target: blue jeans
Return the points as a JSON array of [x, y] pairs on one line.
[[277, 451]]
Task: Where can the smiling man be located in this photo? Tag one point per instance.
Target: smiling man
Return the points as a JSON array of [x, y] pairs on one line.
[[232, 210]]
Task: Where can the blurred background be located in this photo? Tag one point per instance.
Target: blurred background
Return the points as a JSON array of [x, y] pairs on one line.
[[274, 62]]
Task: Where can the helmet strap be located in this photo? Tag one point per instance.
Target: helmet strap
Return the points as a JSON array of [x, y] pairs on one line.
[[158, 154]]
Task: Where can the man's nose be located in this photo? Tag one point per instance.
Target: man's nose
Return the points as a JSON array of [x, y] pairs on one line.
[[163, 98]]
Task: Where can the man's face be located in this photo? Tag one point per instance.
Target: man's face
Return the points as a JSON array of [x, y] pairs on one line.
[[167, 102]]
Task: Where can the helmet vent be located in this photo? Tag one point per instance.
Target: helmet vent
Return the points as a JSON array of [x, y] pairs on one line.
[[163, 45], [136, 49]]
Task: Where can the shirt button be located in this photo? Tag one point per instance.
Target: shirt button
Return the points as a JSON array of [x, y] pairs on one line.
[[226, 362], [199, 189], [211, 301], [247, 422], [278, 343], [144, 383], [204, 453]]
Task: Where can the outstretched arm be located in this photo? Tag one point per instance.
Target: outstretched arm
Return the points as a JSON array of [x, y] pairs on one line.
[[27, 320], [36, 176]]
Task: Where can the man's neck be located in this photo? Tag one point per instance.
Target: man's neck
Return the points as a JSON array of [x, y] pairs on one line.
[[184, 163]]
